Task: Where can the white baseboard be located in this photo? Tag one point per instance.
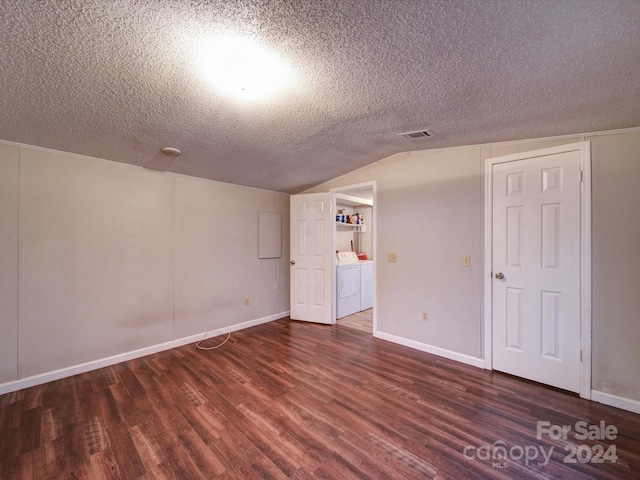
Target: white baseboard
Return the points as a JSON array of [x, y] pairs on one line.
[[616, 401], [123, 357], [441, 352]]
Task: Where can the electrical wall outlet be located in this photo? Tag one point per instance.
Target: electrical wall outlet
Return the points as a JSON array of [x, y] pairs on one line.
[[425, 317], [247, 301], [392, 257], [466, 261]]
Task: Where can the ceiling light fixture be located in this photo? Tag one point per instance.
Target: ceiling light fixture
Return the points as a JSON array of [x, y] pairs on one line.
[[170, 151], [243, 67]]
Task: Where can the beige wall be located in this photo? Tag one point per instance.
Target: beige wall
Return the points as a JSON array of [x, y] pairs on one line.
[[427, 206], [9, 170], [114, 258], [429, 213], [616, 264], [95, 260], [430, 209], [216, 256]]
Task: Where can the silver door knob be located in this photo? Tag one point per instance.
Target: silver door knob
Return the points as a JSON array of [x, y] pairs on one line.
[[499, 275], [292, 262]]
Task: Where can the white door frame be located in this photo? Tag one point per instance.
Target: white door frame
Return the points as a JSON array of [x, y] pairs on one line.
[[374, 246], [585, 253]]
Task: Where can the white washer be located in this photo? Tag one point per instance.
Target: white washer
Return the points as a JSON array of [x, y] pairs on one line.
[[348, 284]]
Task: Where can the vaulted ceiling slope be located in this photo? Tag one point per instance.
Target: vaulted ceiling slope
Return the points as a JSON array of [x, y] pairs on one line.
[[118, 79]]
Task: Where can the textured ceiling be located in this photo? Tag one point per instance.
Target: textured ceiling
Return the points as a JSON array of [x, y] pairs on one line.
[[117, 79]]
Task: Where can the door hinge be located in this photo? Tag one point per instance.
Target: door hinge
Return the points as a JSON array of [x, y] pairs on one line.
[[581, 176], [580, 355]]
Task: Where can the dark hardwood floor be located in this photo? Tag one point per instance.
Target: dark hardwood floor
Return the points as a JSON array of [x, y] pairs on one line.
[[297, 400]]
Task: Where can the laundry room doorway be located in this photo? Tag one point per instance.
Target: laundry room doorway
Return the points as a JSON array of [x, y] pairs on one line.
[[354, 242]]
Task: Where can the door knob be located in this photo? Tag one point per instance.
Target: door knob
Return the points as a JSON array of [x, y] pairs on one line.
[[499, 275], [292, 262]]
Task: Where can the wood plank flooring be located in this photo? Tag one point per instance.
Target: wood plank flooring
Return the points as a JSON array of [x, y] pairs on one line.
[[296, 400], [362, 321]]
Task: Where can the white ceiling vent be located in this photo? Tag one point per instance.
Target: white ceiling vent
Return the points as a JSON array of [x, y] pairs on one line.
[[414, 135]]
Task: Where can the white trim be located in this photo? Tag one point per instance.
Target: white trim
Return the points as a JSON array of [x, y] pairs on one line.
[[597, 133], [374, 247], [424, 347], [616, 401], [487, 352], [123, 357], [18, 265], [585, 255], [585, 269], [127, 165], [576, 136], [353, 186]]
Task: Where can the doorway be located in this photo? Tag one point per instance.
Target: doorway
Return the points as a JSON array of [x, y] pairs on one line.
[[314, 241], [356, 203], [537, 266]]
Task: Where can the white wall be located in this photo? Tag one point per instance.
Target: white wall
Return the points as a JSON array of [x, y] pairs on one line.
[[115, 258], [345, 235], [430, 208], [95, 260]]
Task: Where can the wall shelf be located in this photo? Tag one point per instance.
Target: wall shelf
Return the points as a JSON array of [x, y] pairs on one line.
[[359, 227]]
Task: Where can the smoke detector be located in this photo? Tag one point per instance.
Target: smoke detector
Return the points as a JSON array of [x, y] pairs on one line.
[[170, 151], [414, 135]]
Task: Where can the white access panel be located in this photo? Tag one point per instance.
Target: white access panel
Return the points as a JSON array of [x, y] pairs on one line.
[[348, 290]]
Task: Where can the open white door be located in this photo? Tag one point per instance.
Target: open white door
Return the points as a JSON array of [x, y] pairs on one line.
[[536, 268], [312, 257]]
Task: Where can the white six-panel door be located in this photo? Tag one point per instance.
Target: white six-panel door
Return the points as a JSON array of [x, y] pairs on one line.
[[536, 269], [311, 257]]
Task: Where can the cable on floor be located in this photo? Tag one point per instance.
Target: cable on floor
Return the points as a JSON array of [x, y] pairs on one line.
[[199, 344]]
